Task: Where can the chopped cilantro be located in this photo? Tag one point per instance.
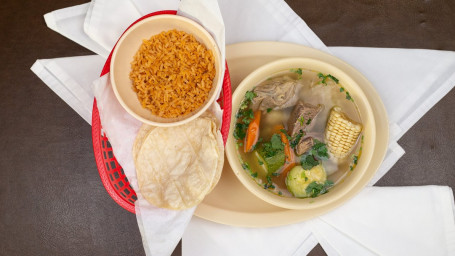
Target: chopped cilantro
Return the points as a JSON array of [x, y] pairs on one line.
[[308, 122], [280, 193], [269, 109], [269, 183], [245, 166], [309, 162], [325, 77], [240, 131], [275, 174], [348, 97], [249, 113], [315, 189], [276, 142], [295, 141], [320, 150], [301, 120], [355, 159], [249, 95], [273, 147], [254, 174], [333, 78], [311, 159], [244, 116], [285, 133], [297, 70], [260, 162]]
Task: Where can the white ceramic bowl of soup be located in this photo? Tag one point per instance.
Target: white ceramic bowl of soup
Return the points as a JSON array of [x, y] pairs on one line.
[[373, 147]]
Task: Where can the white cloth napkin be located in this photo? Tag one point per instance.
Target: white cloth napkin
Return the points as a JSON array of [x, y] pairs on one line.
[[67, 22], [72, 85], [379, 221], [272, 20], [403, 221]]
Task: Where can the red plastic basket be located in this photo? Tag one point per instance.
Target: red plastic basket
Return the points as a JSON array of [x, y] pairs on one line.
[[111, 173]]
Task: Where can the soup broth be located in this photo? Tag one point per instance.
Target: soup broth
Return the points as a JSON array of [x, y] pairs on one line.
[[311, 87]]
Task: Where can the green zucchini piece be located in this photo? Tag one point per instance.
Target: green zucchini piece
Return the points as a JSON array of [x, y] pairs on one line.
[[298, 179]]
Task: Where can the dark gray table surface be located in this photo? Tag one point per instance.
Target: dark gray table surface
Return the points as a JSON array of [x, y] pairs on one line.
[[52, 201]]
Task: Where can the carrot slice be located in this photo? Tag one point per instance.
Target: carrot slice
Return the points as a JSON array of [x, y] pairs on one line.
[[288, 152], [252, 133]]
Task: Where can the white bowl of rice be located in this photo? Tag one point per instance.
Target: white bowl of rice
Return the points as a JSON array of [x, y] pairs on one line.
[[166, 70]]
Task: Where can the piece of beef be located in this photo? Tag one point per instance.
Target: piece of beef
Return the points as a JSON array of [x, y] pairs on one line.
[[304, 145], [302, 115], [275, 94]]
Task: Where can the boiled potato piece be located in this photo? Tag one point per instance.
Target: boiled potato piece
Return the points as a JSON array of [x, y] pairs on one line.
[[298, 179]]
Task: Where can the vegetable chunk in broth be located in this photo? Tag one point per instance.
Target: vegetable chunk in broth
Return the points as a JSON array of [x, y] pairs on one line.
[[298, 133]]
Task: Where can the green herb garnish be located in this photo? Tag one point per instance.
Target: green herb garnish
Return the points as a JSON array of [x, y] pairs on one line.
[[249, 95], [254, 174], [295, 141], [308, 122], [348, 97], [269, 109], [269, 183], [333, 78], [285, 133], [320, 150], [301, 120], [276, 142], [244, 116], [325, 77], [272, 148], [298, 71], [240, 131], [308, 162], [315, 189], [245, 166], [311, 159], [260, 162]]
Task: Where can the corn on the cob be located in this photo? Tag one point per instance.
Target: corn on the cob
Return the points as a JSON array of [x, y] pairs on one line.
[[341, 133]]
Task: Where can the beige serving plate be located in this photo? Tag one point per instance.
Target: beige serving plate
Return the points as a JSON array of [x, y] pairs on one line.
[[230, 202]]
